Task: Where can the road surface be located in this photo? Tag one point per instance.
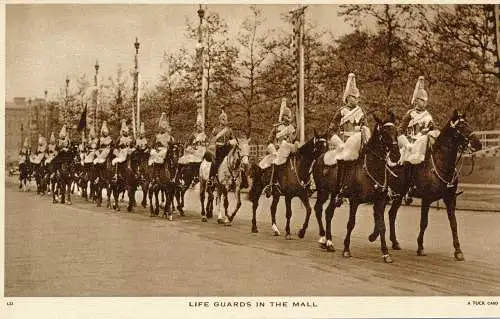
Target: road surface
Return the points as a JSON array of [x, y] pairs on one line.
[[81, 250]]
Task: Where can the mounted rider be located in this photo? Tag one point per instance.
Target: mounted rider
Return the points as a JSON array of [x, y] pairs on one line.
[[40, 151], [222, 135], [64, 142], [24, 152], [141, 143], [124, 145], [196, 149], [105, 142], [416, 126], [281, 143], [349, 131], [162, 140], [91, 148], [51, 149]]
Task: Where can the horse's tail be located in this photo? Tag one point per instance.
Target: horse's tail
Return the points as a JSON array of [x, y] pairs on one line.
[[255, 173]]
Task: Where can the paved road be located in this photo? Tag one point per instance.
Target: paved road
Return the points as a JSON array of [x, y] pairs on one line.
[[80, 250]]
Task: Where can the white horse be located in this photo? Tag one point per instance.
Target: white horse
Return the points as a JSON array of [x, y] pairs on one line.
[[230, 173]]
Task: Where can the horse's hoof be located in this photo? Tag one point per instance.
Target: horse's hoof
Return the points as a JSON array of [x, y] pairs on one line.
[[288, 237], [387, 259], [170, 218], [220, 221], [129, 209], [254, 229], [347, 254], [395, 246], [54, 201], [372, 237], [329, 246], [204, 219], [69, 203], [459, 256], [301, 233], [420, 252], [228, 223]]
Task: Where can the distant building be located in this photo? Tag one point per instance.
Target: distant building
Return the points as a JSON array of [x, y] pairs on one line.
[[18, 120]]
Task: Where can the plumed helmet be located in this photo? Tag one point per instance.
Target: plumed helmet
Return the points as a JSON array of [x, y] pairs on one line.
[[62, 132], [92, 134], [350, 89], [26, 143], [287, 114], [419, 92], [142, 131], [282, 107], [164, 123], [199, 118], [52, 139], [223, 116], [104, 128], [124, 127]]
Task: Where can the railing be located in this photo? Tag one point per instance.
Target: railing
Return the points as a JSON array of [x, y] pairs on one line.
[[489, 139]]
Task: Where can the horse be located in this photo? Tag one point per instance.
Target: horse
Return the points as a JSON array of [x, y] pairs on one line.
[[204, 176], [161, 181], [142, 173], [63, 168], [187, 176], [437, 178], [101, 176], [121, 181], [367, 183], [231, 173], [25, 172], [293, 180]]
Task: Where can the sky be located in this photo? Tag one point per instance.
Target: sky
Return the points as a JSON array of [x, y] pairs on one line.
[[45, 43]]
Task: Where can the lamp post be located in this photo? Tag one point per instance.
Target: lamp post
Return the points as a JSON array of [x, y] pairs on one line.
[[137, 123], [30, 122], [66, 110], [96, 92], [46, 115], [201, 70]]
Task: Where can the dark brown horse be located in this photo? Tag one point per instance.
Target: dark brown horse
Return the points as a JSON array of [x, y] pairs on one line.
[[437, 178], [293, 179], [25, 171], [63, 166], [369, 182]]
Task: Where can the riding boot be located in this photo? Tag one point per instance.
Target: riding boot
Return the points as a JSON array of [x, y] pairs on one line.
[[340, 182], [411, 188], [268, 190]]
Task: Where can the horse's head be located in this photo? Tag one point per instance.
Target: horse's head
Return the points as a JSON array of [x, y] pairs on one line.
[[242, 150], [174, 152], [462, 131], [386, 132], [316, 146]]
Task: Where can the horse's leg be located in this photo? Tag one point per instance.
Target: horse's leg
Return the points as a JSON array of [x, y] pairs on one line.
[[151, 206], [157, 203], [237, 193], [379, 210], [305, 200], [353, 208], [131, 189], [203, 186], [53, 185], [450, 200], [69, 193], [424, 221], [144, 187], [318, 210], [220, 195], [393, 211], [210, 201], [329, 212], [225, 193], [288, 206], [274, 206]]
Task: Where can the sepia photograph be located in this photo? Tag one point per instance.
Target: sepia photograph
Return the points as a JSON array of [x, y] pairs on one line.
[[252, 160]]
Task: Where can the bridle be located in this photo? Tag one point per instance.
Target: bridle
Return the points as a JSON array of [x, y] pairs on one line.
[[463, 147]]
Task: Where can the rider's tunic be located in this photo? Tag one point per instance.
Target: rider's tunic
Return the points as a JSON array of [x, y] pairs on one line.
[[91, 153], [348, 129], [124, 145], [159, 153], [104, 149], [282, 136], [416, 125], [221, 135], [195, 151], [141, 144], [40, 154], [51, 153]]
